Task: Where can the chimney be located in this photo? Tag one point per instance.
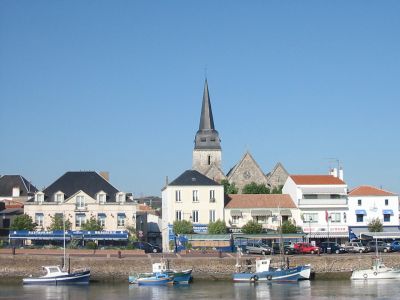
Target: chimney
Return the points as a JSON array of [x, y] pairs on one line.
[[334, 172], [341, 174], [166, 180], [105, 175]]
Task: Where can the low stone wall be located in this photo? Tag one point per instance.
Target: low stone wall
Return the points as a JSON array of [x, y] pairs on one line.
[[215, 268]]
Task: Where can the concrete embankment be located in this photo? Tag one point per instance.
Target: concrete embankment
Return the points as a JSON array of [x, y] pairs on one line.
[[208, 267]]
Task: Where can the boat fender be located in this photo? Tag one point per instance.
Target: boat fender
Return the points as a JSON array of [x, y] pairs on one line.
[[375, 273], [365, 275], [255, 278], [269, 277]]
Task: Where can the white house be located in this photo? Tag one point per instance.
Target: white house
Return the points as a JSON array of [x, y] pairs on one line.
[[266, 209], [80, 196], [193, 197], [367, 203], [322, 200]]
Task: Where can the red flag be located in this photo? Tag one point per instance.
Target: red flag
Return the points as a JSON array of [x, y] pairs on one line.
[[326, 216]]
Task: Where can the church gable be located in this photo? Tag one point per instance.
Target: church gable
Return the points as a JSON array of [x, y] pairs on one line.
[[215, 173], [247, 171], [278, 176]]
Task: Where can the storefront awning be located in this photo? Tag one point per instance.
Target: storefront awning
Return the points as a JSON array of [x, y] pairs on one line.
[[236, 213], [118, 235], [286, 213], [389, 232], [361, 212], [388, 212], [330, 235], [261, 213]]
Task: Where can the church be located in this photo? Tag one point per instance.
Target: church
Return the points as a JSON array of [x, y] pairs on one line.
[[207, 156]]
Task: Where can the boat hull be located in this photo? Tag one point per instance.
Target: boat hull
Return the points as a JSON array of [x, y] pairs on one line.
[[73, 278], [372, 274], [290, 274], [182, 277], [154, 281]]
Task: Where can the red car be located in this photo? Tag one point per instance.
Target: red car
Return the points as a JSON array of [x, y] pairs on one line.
[[306, 248]]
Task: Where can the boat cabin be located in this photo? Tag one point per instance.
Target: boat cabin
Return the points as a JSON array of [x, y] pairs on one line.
[[262, 265]]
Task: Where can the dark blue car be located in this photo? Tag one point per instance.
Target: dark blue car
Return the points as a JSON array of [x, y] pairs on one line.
[[331, 247], [395, 246]]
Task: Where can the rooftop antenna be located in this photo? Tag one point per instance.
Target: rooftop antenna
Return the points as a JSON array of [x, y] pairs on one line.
[[334, 160], [205, 72]]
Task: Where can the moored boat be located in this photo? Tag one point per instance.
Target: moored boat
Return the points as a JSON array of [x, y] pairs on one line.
[[265, 273], [155, 279], [56, 276], [377, 271]]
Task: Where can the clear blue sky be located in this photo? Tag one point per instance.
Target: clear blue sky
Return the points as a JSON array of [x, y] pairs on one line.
[[117, 86]]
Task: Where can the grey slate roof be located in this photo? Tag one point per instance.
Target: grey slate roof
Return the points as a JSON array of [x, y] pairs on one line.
[[8, 182], [88, 181], [207, 137], [192, 177]]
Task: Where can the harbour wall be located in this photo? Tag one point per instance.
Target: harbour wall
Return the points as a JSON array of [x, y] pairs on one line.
[[208, 267]]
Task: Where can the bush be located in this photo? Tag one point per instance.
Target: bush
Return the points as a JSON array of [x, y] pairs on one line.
[[91, 245], [252, 227]]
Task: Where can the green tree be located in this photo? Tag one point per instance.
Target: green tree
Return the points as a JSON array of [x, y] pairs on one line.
[[254, 188], [375, 225], [252, 227], [57, 223], [132, 233], [92, 224], [182, 227], [217, 227], [229, 188], [23, 222], [277, 189], [288, 227]]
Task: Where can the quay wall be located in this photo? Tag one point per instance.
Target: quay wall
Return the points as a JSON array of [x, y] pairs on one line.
[[208, 267]]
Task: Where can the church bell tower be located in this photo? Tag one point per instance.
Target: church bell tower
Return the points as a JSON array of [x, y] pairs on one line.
[[207, 145]]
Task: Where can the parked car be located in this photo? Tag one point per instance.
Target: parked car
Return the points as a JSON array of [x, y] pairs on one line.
[[381, 246], [286, 249], [258, 248], [306, 248], [355, 247], [395, 246], [332, 247], [147, 247]]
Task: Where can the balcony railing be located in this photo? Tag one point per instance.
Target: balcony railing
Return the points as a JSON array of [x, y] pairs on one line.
[[81, 207], [323, 202]]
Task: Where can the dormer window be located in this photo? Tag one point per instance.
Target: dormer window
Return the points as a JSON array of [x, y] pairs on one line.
[[101, 198], [121, 197], [40, 197], [59, 197]]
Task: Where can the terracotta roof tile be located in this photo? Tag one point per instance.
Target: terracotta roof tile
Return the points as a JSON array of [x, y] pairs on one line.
[[259, 201], [366, 190], [316, 179]]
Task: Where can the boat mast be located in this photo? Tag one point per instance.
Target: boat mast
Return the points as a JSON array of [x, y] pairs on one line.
[[64, 240]]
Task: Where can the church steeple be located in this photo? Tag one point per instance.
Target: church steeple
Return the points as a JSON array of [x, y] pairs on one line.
[[207, 145], [207, 137]]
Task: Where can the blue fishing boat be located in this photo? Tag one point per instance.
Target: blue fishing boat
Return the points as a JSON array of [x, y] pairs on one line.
[[266, 273], [151, 279]]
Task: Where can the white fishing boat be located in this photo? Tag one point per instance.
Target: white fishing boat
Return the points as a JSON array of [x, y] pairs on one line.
[[377, 271], [55, 275]]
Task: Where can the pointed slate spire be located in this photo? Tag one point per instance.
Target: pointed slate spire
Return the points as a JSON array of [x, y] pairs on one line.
[[207, 137], [206, 117]]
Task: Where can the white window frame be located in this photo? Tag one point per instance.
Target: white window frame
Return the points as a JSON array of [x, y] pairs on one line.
[[80, 201], [310, 218], [212, 215], [195, 216], [260, 219], [235, 219], [178, 215], [336, 217], [40, 197], [101, 197], [212, 196], [195, 194], [59, 198], [121, 220], [102, 219], [178, 196], [39, 219], [80, 219]]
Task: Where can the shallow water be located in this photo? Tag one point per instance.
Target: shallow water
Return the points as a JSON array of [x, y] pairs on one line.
[[318, 289]]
